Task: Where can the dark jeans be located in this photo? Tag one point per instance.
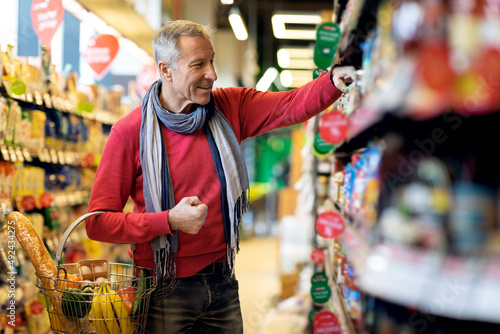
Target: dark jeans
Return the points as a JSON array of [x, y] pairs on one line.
[[198, 304]]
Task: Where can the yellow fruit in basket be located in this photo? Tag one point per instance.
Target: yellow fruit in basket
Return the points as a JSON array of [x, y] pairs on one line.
[[108, 313], [126, 325], [96, 315]]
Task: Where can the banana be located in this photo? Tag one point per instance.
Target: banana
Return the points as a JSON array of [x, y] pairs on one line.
[[96, 314], [126, 325], [108, 312]]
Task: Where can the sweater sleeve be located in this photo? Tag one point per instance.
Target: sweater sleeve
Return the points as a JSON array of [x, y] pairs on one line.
[[117, 177], [253, 112]]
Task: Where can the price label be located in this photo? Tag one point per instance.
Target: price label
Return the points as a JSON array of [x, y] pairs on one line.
[[318, 256], [333, 127], [36, 307], [330, 224], [321, 147], [320, 293], [319, 278], [327, 41], [326, 322], [328, 35]]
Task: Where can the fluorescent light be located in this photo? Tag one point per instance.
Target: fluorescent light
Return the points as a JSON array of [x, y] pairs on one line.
[[295, 78], [283, 58], [300, 18], [267, 79], [281, 32], [236, 21], [300, 58], [226, 2]]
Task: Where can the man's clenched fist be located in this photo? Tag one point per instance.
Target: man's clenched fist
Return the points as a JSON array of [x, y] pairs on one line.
[[188, 215]]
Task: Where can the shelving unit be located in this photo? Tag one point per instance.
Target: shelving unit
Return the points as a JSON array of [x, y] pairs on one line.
[[444, 277]]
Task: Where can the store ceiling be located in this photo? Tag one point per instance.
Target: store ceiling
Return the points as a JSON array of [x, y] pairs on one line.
[[256, 13]]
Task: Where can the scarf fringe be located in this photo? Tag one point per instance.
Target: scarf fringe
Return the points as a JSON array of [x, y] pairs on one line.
[[165, 263], [241, 207]]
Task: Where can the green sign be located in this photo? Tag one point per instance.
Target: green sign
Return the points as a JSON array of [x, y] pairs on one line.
[[319, 278], [18, 87], [321, 147], [320, 293], [317, 72], [327, 41], [328, 35]]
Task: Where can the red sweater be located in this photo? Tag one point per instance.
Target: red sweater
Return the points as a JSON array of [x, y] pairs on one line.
[[119, 174]]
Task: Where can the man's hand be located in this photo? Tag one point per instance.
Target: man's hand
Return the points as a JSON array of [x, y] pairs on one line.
[[188, 215], [342, 76]]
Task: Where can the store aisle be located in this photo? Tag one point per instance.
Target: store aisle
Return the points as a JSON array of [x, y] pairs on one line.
[[258, 276]]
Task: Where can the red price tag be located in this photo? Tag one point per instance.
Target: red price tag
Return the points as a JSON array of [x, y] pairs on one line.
[[46, 199], [333, 127], [318, 256], [28, 202], [330, 224], [101, 52], [36, 307], [326, 322], [46, 17]]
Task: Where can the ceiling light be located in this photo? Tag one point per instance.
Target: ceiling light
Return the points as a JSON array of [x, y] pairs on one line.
[[267, 79], [236, 21], [280, 31], [226, 2], [283, 58], [299, 58], [295, 78]]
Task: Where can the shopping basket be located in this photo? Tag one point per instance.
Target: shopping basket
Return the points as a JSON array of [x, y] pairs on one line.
[[117, 306]]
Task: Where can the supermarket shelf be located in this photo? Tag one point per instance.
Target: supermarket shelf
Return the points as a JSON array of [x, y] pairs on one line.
[[339, 307], [433, 283], [46, 100]]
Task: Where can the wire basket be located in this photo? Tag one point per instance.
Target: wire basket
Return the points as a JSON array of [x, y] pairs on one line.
[[117, 306]]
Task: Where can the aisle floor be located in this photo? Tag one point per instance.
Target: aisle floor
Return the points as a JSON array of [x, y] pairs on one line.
[[257, 270]]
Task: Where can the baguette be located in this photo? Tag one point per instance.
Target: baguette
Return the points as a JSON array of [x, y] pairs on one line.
[[33, 245], [39, 256]]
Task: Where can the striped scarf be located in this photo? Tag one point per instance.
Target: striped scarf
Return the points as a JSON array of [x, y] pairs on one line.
[[158, 190]]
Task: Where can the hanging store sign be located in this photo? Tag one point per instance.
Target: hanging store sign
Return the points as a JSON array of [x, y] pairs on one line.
[[327, 41], [330, 224], [46, 17], [326, 322], [318, 256], [333, 127], [100, 53]]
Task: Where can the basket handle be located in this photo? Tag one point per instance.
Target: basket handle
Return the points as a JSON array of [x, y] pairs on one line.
[[70, 229]]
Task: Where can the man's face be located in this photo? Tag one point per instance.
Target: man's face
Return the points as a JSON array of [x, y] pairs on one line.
[[192, 81]]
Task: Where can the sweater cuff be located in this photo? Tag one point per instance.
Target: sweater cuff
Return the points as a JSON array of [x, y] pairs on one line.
[[158, 223]]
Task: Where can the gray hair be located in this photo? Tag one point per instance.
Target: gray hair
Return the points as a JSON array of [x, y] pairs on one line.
[[166, 41]]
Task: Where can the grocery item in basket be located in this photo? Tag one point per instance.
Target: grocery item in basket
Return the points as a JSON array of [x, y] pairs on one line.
[[33, 245], [143, 287], [76, 302], [108, 312], [92, 269], [128, 297], [45, 268]]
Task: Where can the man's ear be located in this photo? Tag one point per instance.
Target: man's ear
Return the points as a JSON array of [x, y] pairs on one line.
[[165, 70]]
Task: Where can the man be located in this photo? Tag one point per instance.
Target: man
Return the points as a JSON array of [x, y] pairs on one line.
[[178, 158]]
